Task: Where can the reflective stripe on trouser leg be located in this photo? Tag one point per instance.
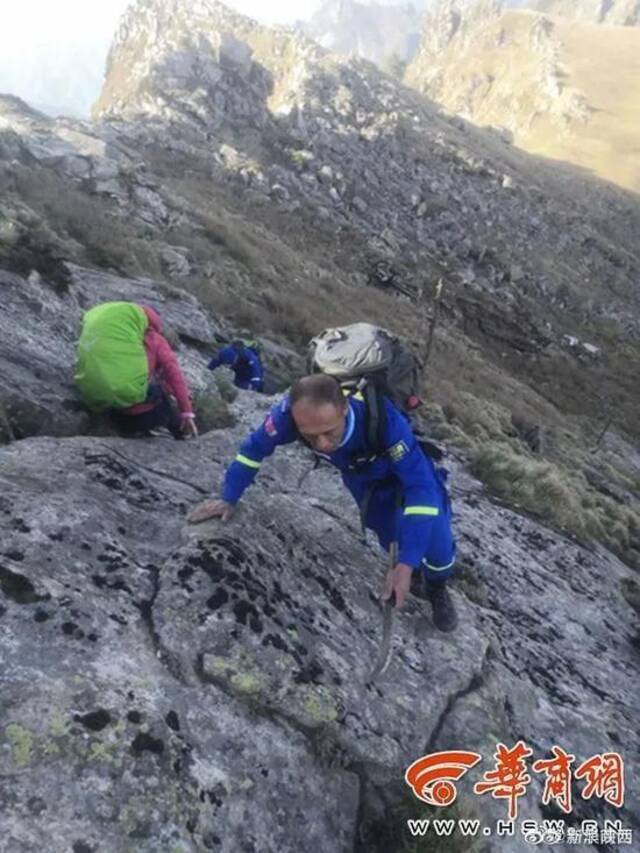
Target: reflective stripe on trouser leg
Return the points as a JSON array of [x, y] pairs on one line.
[[437, 573], [439, 561]]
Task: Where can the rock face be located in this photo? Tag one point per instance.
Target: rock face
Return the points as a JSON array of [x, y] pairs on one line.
[[110, 746], [175, 687], [171, 48]]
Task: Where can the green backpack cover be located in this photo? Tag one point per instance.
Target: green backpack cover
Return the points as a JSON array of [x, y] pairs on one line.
[[112, 369]]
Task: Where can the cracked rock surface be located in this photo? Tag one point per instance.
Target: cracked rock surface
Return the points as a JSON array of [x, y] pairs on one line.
[[174, 687]]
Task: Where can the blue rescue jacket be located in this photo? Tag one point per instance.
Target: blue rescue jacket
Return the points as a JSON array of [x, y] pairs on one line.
[[246, 366], [403, 465]]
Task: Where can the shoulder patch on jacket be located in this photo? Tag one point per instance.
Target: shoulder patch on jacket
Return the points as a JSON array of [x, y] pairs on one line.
[[270, 426], [398, 451]]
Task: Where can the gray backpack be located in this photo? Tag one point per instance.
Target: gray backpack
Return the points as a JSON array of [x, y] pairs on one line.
[[370, 360]]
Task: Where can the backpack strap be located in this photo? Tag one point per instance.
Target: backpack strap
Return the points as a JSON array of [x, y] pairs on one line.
[[375, 417], [366, 500], [431, 450]]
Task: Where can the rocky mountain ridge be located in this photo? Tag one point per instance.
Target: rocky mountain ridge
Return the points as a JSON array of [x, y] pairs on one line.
[[342, 109], [559, 84]]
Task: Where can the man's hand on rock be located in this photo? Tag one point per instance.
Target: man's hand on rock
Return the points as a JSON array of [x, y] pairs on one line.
[[211, 509], [398, 581]]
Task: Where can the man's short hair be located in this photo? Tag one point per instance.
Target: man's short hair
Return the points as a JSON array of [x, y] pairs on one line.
[[317, 389]]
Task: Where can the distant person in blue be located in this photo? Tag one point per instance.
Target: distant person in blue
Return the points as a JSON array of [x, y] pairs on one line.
[[400, 493], [245, 362]]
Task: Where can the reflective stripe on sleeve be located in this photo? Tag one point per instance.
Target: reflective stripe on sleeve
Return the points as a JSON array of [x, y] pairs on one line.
[[421, 510], [246, 461]]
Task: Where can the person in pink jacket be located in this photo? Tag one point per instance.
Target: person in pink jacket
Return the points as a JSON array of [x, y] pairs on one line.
[[168, 403]]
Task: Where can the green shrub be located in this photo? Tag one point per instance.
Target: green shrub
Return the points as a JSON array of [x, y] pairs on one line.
[[225, 386], [83, 228], [560, 497], [529, 484], [212, 412]]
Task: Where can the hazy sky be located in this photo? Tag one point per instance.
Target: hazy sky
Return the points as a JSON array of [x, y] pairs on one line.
[[27, 23]]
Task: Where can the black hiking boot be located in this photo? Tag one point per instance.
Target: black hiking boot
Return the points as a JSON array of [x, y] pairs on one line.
[[445, 617]]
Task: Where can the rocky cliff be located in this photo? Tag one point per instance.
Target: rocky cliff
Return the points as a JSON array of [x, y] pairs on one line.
[[178, 688]]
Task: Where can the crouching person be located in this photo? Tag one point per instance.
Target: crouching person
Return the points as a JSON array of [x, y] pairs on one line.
[[126, 367]]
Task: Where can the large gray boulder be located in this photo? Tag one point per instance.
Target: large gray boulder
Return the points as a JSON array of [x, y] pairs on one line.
[[193, 687]]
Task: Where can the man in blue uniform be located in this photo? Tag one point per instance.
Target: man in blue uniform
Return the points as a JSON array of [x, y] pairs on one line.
[[245, 363], [402, 494]]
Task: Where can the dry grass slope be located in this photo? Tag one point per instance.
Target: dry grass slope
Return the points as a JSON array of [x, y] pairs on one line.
[[567, 90]]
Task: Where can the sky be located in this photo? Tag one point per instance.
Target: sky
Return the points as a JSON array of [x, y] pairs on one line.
[[37, 22], [52, 52]]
